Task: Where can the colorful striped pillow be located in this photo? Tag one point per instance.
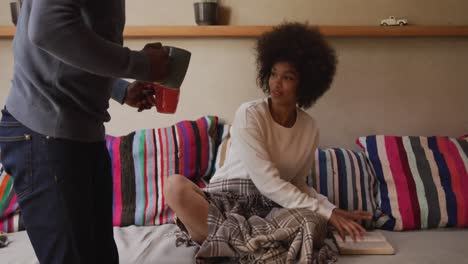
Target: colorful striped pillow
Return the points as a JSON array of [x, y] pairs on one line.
[[346, 178], [8, 203], [423, 181], [12, 223], [143, 160]]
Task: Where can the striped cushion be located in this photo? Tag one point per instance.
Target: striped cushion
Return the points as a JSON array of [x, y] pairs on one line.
[[12, 223], [223, 144], [346, 178], [423, 181], [8, 204], [143, 160]]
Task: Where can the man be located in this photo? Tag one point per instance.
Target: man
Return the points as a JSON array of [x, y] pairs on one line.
[[68, 56]]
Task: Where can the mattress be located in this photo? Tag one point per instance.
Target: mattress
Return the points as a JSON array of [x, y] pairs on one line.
[[156, 244], [136, 244], [434, 246]]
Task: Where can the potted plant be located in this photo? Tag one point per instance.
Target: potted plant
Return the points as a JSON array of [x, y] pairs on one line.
[[206, 12]]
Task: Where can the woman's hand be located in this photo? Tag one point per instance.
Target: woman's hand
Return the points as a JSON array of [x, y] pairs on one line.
[[345, 222]]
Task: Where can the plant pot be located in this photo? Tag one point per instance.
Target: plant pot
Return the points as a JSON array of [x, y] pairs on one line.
[[205, 13]]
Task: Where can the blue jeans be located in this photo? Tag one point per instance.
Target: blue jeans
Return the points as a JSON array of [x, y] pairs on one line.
[[64, 190]]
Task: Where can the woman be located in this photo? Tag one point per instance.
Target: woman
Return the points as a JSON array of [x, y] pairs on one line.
[[273, 139]]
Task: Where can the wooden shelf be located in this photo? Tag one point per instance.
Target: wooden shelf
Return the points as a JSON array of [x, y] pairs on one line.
[[330, 31], [7, 32], [254, 31]]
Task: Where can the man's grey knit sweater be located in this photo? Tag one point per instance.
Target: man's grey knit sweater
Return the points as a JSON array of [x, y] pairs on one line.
[[68, 58]]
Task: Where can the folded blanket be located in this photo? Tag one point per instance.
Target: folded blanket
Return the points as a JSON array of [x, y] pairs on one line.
[[246, 227]]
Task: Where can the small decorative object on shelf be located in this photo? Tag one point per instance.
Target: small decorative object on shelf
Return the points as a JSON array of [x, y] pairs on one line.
[[206, 12], [392, 21], [15, 7]]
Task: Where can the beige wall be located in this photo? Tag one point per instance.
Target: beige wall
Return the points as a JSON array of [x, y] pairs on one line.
[[400, 86]]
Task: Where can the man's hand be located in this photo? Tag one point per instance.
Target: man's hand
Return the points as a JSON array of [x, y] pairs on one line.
[[345, 222], [140, 95], [159, 61]]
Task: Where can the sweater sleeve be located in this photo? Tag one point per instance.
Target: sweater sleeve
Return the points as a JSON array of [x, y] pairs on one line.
[[58, 27], [324, 206], [119, 90], [249, 141]]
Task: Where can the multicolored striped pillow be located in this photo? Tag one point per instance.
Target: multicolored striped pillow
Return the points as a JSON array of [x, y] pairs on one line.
[[9, 208], [12, 223], [143, 160], [346, 178], [423, 181]]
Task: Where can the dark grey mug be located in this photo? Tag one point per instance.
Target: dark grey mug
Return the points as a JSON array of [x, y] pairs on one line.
[[206, 13], [15, 11], [179, 60]]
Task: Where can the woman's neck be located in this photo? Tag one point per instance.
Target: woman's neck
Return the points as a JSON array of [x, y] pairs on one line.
[[285, 115]]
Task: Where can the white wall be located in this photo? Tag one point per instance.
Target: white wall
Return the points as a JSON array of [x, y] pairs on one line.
[[399, 86]]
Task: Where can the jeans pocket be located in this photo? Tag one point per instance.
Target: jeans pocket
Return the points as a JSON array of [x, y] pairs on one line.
[[15, 154]]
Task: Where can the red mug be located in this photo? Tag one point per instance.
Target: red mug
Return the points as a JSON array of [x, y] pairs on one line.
[[167, 92], [165, 95], [167, 99]]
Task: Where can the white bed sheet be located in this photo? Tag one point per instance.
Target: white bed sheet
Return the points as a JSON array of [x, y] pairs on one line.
[[139, 245], [156, 244], [435, 246]]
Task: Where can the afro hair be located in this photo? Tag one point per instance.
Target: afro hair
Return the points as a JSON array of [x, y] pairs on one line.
[[305, 49]]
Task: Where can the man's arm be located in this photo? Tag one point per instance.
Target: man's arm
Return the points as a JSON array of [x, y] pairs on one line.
[[119, 90], [57, 27]]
